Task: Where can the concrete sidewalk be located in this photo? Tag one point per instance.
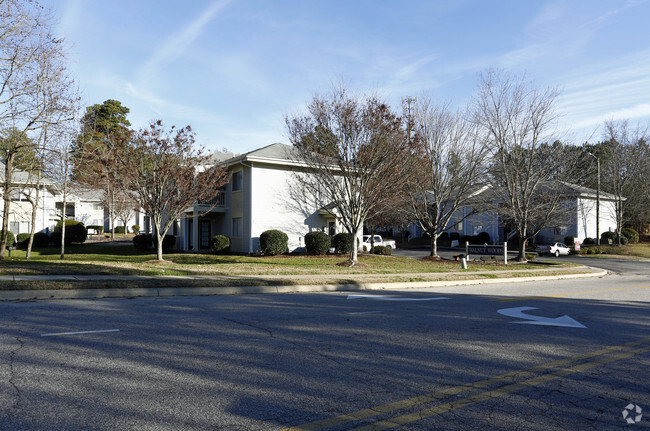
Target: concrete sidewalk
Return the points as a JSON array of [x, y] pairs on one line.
[[22, 295]]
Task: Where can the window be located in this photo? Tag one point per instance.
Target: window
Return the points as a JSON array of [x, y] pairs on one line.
[[236, 181], [237, 226]]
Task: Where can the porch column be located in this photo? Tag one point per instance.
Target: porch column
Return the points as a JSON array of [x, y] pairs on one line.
[[195, 231]]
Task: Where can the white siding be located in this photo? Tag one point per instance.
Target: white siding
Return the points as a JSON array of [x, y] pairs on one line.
[[275, 204]]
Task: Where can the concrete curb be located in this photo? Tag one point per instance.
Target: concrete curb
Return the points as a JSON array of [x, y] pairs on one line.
[[26, 295]]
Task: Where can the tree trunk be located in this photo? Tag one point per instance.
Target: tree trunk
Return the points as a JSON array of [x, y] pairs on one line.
[[354, 250], [6, 196], [63, 233], [159, 248], [434, 246], [32, 229]]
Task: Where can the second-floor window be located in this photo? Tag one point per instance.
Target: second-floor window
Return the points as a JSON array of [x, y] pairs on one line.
[[236, 181]]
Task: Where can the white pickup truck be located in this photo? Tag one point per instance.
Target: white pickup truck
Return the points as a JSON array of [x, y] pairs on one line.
[[365, 243]]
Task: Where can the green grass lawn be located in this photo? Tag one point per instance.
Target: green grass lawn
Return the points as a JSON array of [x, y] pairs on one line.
[[124, 259]]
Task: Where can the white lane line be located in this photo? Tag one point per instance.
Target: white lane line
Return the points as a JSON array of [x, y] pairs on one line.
[[393, 298], [80, 332], [366, 312]]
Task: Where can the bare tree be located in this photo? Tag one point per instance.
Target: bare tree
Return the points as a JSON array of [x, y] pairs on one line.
[[167, 175], [453, 165], [33, 83], [527, 172], [356, 152], [125, 206], [58, 166], [624, 172]]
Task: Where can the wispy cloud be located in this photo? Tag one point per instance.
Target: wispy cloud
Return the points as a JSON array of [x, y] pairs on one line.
[[178, 43]]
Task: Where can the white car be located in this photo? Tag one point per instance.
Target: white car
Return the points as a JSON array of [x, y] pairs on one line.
[[378, 240], [557, 248]]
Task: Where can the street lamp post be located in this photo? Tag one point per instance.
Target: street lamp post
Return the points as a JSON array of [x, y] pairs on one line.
[[597, 198]]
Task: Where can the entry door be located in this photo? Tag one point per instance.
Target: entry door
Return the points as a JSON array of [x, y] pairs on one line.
[[205, 234]]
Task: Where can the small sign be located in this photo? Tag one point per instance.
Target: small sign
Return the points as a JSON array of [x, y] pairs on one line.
[[496, 250]]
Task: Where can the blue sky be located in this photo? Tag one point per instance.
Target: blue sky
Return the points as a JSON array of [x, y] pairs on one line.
[[232, 69]]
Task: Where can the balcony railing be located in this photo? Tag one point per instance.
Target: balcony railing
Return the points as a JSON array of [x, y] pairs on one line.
[[218, 201]]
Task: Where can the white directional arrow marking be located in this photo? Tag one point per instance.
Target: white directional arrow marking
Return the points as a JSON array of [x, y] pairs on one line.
[[518, 312], [393, 298]]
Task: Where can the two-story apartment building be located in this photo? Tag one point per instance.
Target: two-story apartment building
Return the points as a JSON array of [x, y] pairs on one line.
[[263, 193]]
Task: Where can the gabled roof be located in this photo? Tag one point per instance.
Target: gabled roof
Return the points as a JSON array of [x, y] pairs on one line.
[[581, 191], [24, 178], [277, 153]]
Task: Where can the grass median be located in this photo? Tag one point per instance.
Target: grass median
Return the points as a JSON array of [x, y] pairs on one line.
[[209, 270]]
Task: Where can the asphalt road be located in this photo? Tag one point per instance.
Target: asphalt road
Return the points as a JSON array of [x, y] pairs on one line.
[[459, 358]]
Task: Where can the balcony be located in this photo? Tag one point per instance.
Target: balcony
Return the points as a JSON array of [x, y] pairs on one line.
[[215, 204]]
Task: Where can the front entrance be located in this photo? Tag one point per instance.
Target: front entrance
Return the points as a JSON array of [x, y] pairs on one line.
[[205, 234]]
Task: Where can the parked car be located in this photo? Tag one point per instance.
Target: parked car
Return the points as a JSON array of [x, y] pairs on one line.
[[557, 248], [378, 240]]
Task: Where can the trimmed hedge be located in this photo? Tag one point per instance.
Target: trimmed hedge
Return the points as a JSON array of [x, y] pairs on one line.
[[119, 230], [454, 236], [135, 228], [569, 241], [383, 250], [220, 244], [606, 237], [142, 241], [22, 239], [317, 243], [273, 242], [75, 231], [342, 242], [483, 238], [589, 241], [631, 235], [169, 242], [10, 238]]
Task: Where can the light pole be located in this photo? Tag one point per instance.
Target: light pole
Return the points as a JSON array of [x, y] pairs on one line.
[[597, 198]]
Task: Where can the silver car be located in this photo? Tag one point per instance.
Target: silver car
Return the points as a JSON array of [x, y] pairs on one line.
[[556, 248]]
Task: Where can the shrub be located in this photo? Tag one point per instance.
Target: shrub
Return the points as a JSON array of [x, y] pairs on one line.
[[464, 239], [135, 228], [55, 239], [444, 236], [41, 240], [317, 243], [22, 239], [220, 244], [273, 242], [11, 239], [75, 231], [142, 241], [169, 242], [589, 241], [454, 236], [383, 250], [342, 242], [569, 241], [631, 235], [608, 237], [483, 238], [119, 229]]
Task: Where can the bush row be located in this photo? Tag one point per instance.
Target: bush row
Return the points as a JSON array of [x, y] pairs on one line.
[[75, 232], [481, 238]]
